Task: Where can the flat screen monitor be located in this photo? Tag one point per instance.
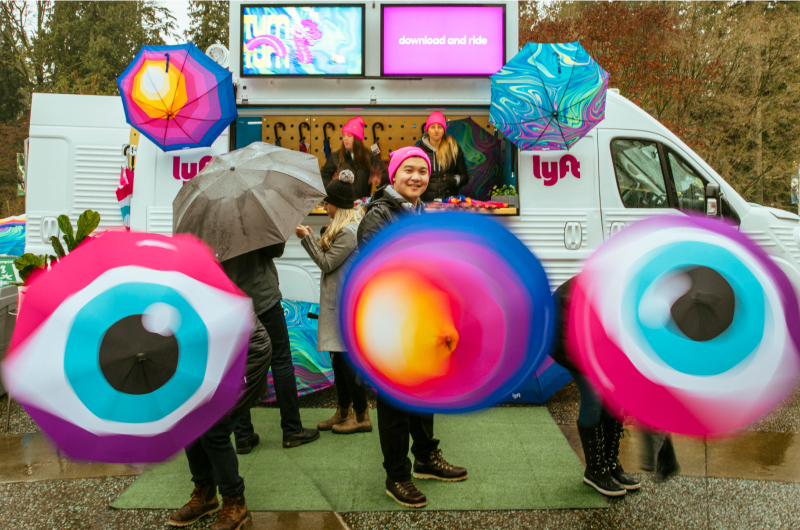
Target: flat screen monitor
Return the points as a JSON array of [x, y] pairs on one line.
[[442, 40], [300, 40]]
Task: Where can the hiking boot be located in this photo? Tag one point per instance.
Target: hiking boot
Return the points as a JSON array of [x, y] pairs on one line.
[[597, 474], [247, 446], [203, 502], [406, 493], [613, 431], [338, 417], [234, 514], [354, 423], [303, 436], [437, 467]]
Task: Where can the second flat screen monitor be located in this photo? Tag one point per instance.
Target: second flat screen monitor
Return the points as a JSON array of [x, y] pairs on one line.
[[442, 40]]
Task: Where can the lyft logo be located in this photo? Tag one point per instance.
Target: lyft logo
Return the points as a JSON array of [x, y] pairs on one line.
[[186, 171], [552, 171]]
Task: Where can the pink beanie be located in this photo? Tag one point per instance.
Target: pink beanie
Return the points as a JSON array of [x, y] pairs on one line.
[[355, 127], [396, 158], [436, 117]]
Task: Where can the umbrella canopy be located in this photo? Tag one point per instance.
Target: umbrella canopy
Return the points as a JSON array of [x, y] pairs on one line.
[[687, 325], [177, 96], [248, 199], [129, 348], [446, 312], [548, 96]]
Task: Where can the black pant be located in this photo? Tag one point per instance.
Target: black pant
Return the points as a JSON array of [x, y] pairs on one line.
[[213, 461], [394, 427], [243, 429], [282, 369], [348, 390]]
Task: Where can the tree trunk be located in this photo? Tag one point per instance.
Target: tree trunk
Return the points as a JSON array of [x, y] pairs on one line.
[[758, 129]]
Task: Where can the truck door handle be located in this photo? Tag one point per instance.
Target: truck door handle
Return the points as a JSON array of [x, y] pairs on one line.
[[49, 228], [573, 235], [616, 227]]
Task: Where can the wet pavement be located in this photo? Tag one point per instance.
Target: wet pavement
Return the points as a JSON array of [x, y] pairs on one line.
[[750, 481]]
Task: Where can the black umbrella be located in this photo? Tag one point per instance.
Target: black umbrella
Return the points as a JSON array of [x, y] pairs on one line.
[[706, 309], [326, 144], [275, 130]]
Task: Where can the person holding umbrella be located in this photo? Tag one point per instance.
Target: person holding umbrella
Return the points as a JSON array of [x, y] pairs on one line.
[[409, 172], [332, 253], [449, 172], [355, 156]]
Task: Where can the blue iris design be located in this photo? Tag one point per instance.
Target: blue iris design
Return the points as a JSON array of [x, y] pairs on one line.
[[81, 356]]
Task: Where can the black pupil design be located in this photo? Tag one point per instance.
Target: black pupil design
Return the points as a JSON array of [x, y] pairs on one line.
[[136, 361], [706, 310]]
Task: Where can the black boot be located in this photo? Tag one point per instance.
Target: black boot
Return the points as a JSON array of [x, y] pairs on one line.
[[597, 474], [612, 434], [667, 461], [651, 445]]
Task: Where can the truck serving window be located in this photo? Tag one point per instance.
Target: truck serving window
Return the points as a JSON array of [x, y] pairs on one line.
[[639, 175], [689, 186]]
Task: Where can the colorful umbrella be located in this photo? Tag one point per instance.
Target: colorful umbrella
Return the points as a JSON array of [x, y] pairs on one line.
[[548, 96], [177, 96], [129, 348], [446, 312], [633, 322], [124, 193]]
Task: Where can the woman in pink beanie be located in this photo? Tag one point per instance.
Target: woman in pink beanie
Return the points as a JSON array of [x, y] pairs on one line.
[[409, 172], [356, 157], [449, 172]]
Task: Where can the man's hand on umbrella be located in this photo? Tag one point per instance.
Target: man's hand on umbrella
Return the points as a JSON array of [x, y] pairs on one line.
[[302, 231]]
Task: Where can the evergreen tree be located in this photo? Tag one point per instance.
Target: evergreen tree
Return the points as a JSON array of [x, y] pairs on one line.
[[209, 23]]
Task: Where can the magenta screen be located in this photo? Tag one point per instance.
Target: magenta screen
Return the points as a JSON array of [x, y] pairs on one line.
[[443, 40]]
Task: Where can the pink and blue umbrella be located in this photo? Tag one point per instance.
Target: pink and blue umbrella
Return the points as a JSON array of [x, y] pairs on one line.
[[177, 96], [548, 96], [446, 312]]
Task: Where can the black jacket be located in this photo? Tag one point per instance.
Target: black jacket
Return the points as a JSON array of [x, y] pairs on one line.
[[259, 357], [562, 299], [444, 181], [385, 208], [362, 186]]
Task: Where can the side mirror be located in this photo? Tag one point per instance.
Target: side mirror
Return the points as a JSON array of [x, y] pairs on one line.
[[712, 199]]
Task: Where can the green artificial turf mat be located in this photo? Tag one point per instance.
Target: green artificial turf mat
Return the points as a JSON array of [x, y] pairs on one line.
[[517, 458]]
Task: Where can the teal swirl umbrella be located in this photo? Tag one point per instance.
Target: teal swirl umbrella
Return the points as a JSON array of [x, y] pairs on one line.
[[548, 96]]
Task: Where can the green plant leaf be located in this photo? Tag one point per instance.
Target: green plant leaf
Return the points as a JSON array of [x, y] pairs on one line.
[[87, 222], [26, 264], [57, 247], [65, 226]]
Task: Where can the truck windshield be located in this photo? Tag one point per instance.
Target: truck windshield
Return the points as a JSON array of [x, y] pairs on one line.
[[639, 176]]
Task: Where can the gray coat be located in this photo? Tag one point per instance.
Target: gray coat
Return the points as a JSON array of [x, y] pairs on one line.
[[334, 263]]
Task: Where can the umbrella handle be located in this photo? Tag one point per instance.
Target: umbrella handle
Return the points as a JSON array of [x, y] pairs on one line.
[[275, 129], [300, 128], [423, 128], [325, 127], [374, 136], [167, 56]]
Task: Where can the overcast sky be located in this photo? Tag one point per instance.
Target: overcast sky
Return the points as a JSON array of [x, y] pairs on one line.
[[180, 10]]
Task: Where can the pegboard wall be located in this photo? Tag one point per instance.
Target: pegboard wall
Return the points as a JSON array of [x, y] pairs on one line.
[[397, 132]]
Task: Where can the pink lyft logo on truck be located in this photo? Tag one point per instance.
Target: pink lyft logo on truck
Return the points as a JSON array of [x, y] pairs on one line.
[[188, 170], [552, 171]]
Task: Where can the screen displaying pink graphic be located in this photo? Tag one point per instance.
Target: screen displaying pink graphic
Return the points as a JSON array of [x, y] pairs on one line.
[[443, 40]]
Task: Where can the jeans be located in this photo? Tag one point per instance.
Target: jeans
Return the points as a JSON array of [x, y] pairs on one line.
[[591, 406], [282, 369], [213, 461], [348, 390], [243, 429], [394, 428]]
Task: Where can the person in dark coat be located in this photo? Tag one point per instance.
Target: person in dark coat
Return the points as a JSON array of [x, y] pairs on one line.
[[367, 167], [600, 432], [212, 458], [409, 169], [449, 172]]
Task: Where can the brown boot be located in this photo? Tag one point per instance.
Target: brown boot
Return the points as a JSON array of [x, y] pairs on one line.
[[338, 417], [203, 502], [234, 514], [354, 423]]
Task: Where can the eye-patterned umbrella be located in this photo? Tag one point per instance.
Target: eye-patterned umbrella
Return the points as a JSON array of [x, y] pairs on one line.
[[548, 96], [687, 325], [177, 96], [129, 348]]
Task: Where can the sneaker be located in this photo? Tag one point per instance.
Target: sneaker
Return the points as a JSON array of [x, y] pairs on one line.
[[438, 468], [303, 436], [247, 446], [234, 514], [406, 493], [203, 502], [336, 419], [352, 424]]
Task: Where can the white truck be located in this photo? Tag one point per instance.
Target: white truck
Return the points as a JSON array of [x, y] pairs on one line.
[[627, 168]]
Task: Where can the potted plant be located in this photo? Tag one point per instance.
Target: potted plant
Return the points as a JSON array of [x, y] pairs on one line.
[[506, 194]]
